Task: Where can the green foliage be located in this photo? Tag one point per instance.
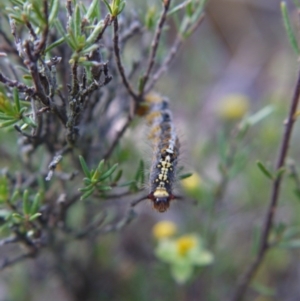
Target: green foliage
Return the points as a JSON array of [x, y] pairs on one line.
[[64, 90], [288, 27], [96, 179]]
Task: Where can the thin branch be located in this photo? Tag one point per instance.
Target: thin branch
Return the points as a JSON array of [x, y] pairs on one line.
[[13, 83], [95, 84], [135, 202], [167, 62], [107, 21], [41, 46], [135, 27], [269, 219], [8, 240], [9, 262], [171, 55], [117, 139], [31, 63], [75, 81], [31, 30], [119, 63], [154, 45]]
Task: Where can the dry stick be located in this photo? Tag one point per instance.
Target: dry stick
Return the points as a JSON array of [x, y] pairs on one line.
[[40, 47], [169, 58], [268, 223], [118, 61], [171, 55], [13, 83], [118, 137], [107, 22], [155, 44], [8, 240], [9, 262]]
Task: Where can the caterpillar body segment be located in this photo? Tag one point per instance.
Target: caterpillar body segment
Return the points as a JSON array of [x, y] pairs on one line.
[[165, 154]]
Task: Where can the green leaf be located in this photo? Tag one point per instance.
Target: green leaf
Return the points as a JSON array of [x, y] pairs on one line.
[[15, 196], [118, 176], [263, 290], [18, 217], [288, 28], [16, 99], [108, 6], [29, 121], [54, 11], [84, 167], [6, 117], [87, 50], [92, 9], [121, 7], [264, 170], [185, 176], [87, 188], [55, 44], [62, 32], [93, 36], [77, 21], [260, 115], [35, 216], [35, 206], [8, 123], [26, 202], [103, 188], [108, 173], [87, 194], [100, 166]]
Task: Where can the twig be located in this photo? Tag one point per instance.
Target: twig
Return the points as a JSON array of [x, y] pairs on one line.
[[31, 30], [118, 137], [269, 219], [95, 85], [9, 262], [75, 82], [169, 58], [119, 63], [171, 55], [8, 240], [107, 21], [31, 63], [130, 215], [134, 28], [142, 198], [154, 45], [13, 83], [40, 47], [52, 166]]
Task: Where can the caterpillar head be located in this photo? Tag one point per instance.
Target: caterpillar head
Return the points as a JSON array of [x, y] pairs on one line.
[[161, 204], [161, 199]]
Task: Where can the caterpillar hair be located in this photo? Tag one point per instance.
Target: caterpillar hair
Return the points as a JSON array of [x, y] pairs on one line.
[[165, 154]]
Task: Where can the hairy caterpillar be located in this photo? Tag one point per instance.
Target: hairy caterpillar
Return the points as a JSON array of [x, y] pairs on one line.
[[165, 153]]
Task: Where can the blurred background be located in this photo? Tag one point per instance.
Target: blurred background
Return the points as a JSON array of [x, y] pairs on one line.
[[236, 64]]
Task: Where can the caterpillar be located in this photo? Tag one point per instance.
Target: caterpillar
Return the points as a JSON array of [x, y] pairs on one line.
[[165, 153]]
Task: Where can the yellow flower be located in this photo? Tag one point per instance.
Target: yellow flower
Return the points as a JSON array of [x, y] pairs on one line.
[[185, 244], [191, 183], [164, 229], [233, 106]]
